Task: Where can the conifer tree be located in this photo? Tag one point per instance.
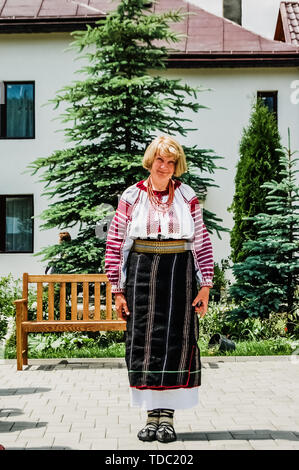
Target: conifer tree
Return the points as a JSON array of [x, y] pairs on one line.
[[267, 281], [115, 111], [258, 163]]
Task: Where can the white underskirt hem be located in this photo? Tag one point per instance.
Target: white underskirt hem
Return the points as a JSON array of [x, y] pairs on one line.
[[178, 399]]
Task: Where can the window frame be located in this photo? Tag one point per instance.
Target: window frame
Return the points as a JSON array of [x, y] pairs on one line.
[[274, 95], [3, 105], [3, 223]]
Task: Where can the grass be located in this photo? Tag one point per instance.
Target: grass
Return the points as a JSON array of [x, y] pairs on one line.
[[114, 350], [269, 347], [266, 347]]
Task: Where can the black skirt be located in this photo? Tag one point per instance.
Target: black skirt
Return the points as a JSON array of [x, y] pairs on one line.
[[162, 328]]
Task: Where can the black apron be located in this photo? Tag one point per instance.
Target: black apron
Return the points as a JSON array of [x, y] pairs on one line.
[[162, 328]]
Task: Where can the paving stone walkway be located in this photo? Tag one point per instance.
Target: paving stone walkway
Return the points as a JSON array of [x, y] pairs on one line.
[[245, 403]]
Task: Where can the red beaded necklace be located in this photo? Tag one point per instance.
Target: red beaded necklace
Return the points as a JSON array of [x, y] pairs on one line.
[[155, 201]]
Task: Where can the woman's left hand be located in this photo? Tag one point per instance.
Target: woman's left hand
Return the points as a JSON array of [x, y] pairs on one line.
[[201, 301]]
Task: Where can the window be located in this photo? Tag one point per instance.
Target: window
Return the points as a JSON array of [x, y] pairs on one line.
[[17, 110], [16, 224], [270, 100]]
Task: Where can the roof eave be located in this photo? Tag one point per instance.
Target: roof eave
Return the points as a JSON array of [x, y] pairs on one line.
[[46, 25], [234, 60]]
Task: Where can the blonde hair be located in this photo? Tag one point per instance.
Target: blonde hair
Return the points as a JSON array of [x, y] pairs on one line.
[[168, 147]]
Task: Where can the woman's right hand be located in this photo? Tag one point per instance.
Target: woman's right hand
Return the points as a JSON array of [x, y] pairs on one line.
[[121, 306]]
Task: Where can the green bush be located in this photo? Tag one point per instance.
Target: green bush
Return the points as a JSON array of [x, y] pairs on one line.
[[51, 341], [263, 347], [217, 320], [10, 290], [47, 342]]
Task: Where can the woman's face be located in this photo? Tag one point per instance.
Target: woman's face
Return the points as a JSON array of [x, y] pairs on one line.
[[163, 167]]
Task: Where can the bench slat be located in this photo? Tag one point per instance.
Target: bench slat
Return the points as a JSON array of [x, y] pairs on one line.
[[68, 325], [108, 302], [25, 290], [74, 301], [85, 301], [97, 301], [51, 300], [39, 311], [62, 306]]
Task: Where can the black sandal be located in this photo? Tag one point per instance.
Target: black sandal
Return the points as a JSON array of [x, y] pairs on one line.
[[166, 432], [148, 433]]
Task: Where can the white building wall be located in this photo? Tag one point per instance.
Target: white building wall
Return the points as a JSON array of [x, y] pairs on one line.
[[41, 57], [220, 127]]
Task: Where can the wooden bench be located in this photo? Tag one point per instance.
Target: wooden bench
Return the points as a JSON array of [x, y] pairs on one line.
[[88, 319]]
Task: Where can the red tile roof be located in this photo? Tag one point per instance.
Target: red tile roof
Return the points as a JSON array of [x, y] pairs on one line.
[[53, 8], [287, 28], [209, 32], [210, 37]]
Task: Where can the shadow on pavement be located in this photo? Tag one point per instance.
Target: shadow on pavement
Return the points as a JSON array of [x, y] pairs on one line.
[[23, 391], [38, 448], [68, 365], [10, 412], [14, 426], [238, 434], [21, 425]]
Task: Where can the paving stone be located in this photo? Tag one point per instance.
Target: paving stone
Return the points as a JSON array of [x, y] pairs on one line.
[[202, 427], [104, 444], [118, 430], [177, 445], [40, 443], [73, 436], [96, 411], [136, 446], [197, 445], [93, 434], [263, 444], [8, 437], [82, 446], [217, 447], [238, 445], [54, 429], [283, 444]]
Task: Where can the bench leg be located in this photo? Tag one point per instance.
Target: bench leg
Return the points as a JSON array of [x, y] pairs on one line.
[[25, 347], [19, 346]]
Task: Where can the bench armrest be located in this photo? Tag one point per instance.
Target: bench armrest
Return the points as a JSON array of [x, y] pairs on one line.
[[23, 301], [21, 309]]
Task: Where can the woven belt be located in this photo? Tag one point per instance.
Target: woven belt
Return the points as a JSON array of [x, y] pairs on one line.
[[155, 246]]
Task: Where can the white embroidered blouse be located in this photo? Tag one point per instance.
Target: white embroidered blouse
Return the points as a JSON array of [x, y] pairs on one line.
[[135, 218]]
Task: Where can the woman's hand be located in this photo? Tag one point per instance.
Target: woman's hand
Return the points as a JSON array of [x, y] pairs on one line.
[[121, 306], [201, 301]]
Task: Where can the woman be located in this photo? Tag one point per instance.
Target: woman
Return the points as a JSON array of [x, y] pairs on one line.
[[158, 250]]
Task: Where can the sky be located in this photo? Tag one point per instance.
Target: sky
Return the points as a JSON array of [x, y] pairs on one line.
[[259, 16]]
